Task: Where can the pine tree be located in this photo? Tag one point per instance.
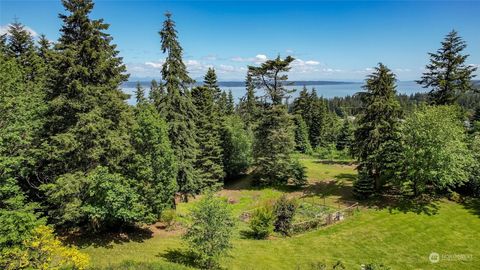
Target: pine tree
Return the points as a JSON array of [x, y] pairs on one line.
[[210, 158], [270, 76], [302, 143], [210, 81], [377, 134], [88, 119], [178, 110], [447, 74]]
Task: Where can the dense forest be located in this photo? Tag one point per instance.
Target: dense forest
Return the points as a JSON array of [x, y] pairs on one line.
[[75, 157]]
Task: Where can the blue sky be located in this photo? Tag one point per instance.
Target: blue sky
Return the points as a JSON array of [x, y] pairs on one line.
[[336, 40]]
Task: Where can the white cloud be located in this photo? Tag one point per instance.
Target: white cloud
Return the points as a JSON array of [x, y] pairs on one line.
[[259, 58], [4, 30], [312, 63], [155, 64]]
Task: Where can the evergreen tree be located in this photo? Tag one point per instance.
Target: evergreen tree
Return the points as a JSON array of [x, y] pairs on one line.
[[209, 159], [273, 144], [447, 74], [378, 131], [139, 93], [153, 165], [22, 47], [88, 118], [317, 119], [223, 104], [302, 143], [178, 110], [156, 94], [230, 103], [237, 146], [274, 135], [210, 81], [248, 106], [345, 138], [270, 76]]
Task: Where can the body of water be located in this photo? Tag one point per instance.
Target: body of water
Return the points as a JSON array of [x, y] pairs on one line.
[[325, 90]]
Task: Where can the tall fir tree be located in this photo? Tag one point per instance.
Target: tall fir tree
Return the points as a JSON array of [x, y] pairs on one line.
[[448, 75], [210, 157], [88, 119], [274, 135], [178, 110], [377, 134]]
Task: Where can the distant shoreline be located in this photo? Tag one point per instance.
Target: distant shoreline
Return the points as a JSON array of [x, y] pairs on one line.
[[132, 84]]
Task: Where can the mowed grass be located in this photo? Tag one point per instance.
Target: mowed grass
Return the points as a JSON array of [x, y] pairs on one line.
[[400, 239]]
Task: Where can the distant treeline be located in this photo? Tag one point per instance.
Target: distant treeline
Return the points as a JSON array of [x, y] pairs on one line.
[[133, 84], [352, 105]]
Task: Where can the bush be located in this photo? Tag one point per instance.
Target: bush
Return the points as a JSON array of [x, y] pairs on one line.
[[299, 176], [42, 251], [284, 210], [262, 222], [168, 217], [210, 232]]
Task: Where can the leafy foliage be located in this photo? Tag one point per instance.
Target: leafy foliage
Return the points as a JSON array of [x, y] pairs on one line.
[[434, 150], [153, 165], [262, 222], [210, 231], [237, 146], [43, 251]]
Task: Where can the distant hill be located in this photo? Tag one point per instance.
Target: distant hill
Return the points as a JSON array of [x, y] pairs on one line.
[[132, 84]]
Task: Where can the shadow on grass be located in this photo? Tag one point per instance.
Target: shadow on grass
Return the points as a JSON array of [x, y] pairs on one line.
[[472, 205], [329, 188], [346, 176], [108, 238], [180, 256], [335, 162], [427, 205]]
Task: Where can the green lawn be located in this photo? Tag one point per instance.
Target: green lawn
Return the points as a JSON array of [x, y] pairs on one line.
[[396, 237]]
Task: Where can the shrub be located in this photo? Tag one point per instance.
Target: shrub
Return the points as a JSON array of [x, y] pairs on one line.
[[284, 210], [168, 217], [299, 176], [210, 232], [43, 251], [262, 222]]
